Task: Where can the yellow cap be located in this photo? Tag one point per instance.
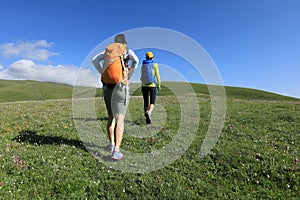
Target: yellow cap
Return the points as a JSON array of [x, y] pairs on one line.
[[149, 54]]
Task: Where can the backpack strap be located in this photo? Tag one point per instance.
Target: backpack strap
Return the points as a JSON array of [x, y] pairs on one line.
[[125, 70]]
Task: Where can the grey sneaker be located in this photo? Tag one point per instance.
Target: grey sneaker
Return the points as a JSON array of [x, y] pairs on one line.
[[117, 155]]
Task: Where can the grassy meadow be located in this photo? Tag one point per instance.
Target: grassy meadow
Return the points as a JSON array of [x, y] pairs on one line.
[[256, 157]]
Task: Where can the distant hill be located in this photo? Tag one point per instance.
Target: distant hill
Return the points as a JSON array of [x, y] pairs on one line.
[[245, 93], [231, 92], [248, 93], [32, 90], [13, 90]]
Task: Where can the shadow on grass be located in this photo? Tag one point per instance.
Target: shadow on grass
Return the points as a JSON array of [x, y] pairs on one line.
[[102, 119], [90, 119], [31, 137]]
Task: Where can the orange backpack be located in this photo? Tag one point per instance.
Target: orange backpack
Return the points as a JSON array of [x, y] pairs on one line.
[[115, 69]]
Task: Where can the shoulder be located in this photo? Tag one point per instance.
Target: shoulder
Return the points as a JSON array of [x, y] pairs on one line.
[[99, 56], [155, 65], [132, 55], [115, 45], [130, 52]]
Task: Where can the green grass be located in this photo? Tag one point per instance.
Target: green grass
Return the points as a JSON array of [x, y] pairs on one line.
[[32, 90], [42, 156], [248, 93]]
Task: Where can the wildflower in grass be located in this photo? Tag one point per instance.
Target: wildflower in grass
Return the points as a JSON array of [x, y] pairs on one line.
[[230, 127], [296, 160], [20, 163]]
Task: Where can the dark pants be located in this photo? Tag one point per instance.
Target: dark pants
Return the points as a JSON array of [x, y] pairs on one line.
[[149, 92]]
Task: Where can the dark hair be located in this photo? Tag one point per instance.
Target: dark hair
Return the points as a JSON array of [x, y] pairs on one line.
[[120, 38], [149, 58]]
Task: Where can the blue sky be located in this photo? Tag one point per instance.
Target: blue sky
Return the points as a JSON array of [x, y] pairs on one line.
[[254, 43]]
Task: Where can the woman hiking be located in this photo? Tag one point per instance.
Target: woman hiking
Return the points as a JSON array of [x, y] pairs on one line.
[[151, 84]]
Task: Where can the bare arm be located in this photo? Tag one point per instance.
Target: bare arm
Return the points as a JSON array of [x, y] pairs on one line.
[[96, 61], [157, 74], [134, 62]]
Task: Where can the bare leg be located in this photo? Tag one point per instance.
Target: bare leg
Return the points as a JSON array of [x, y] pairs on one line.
[[150, 108], [111, 123], [119, 130]]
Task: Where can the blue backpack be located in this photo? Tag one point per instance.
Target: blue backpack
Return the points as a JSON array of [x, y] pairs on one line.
[[147, 75]]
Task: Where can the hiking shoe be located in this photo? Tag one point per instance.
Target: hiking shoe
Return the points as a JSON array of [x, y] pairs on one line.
[[117, 155], [110, 147], [148, 118]]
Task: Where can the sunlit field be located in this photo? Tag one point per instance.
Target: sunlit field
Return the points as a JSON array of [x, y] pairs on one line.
[[256, 156]]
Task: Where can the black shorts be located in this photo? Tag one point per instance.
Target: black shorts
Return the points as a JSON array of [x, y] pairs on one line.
[[149, 92]]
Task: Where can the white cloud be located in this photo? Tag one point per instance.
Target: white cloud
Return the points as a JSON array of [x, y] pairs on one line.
[[1, 67], [33, 50], [67, 74]]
